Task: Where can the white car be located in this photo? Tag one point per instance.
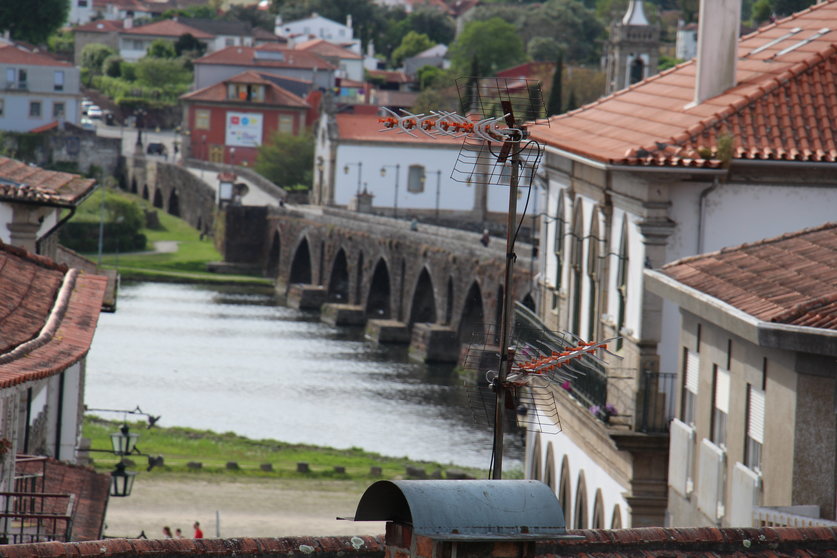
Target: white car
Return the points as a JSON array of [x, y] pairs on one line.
[[87, 124], [94, 111]]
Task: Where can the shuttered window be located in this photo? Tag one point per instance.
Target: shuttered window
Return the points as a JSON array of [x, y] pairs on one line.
[[755, 428], [720, 406], [691, 368]]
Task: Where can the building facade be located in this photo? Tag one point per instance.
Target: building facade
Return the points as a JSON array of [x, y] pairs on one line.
[[755, 435], [675, 166], [632, 50]]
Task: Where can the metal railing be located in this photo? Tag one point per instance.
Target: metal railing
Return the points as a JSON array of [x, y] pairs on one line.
[[655, 401], [28, 517]]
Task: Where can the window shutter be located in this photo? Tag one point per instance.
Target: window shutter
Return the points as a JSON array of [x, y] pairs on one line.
[[755, 422], [722, 390], [692, 371]]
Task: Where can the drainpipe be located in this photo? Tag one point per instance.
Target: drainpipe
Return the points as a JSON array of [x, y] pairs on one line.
[[703, 195]]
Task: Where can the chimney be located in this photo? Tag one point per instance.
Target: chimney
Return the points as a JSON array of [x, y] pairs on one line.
[[129, 22], [349, 21], [717, 47]]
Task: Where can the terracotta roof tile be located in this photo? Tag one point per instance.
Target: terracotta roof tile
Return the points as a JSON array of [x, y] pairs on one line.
[[791, 279], [246, 56], [783, 107], [15, 54], [27, 183], [274, 96], [101, 26], [325, 48], [364, 127], [48, 315], [167, 28]]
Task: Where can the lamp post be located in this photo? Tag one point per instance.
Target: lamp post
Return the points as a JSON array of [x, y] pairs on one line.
[[359, 165], [438, 190], [397, 173]]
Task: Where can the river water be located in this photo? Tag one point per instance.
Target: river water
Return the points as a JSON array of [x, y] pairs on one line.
[[235, 359]]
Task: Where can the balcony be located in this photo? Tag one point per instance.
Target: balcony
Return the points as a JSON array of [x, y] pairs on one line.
[[29, 514], [17, 86]]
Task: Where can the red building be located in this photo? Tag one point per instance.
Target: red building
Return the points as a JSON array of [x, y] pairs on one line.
[[228, 121]]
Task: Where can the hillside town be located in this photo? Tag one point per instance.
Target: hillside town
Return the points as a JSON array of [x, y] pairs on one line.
[[616, 219]]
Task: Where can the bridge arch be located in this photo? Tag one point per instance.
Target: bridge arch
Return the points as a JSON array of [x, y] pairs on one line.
[[301, 264], [472, 320], [274, 256], [174, 203], [359, 279], [338, 281], [449, 301], [145, 191], [423, 307], [158, 198], [378, 299]]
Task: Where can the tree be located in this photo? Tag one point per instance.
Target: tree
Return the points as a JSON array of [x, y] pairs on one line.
[[412, 44], [287, 160], [788, 7], [33, 21], [553, 106], [188, 44], [93, 55], [252, 15], [542, 49], [434, 23], [112, 66], [432, 77], [494, 42], [161, 48], [161, 72]]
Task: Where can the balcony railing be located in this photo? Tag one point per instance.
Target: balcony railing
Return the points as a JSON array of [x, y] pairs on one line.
[[36, 517], [784, 517]]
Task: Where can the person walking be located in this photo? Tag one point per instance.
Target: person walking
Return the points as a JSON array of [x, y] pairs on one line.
[[167, 532], [198, 532]]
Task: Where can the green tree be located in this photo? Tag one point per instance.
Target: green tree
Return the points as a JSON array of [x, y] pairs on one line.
[[112, 66], [162, 72], [432, 77], [495, 43], [161, 48], [33, 21], [432, 22], [542, 49], [412, 44], [94, 55], [287, 160], [252, 15], [788, 7], [187, 44], [762, 10], [61, 42], [553, 105]]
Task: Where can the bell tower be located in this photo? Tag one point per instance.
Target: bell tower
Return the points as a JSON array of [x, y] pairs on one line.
[[632, 50]]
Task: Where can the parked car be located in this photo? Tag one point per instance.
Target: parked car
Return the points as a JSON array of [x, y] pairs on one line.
[[94, 112], [87, 124], [85, 105], [156, 149]]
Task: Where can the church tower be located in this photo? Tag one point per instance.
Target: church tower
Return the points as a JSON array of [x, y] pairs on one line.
[[633, 49]]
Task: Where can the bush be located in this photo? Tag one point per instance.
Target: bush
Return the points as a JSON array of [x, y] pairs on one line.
[[83, 236]]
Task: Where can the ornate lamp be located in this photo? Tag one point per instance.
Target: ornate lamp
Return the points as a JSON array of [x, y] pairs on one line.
[[123, 441], [121, 481]]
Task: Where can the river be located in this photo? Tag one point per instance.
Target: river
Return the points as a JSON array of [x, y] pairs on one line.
[[235, 359]]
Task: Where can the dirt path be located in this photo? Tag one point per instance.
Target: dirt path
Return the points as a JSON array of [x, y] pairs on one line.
[[247, 508]]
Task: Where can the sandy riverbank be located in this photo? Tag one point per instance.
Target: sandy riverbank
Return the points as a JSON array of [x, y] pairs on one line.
[[247, 508]]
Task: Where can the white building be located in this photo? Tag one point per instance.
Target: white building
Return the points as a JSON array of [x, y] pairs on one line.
[[37, 89], [730, 148], [755, 435], [318, 27], [134, 41], [81, 11]]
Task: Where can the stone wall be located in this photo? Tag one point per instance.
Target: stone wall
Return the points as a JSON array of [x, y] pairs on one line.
[[71, 145]]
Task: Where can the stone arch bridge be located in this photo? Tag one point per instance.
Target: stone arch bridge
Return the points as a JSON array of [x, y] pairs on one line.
[[432, 287]]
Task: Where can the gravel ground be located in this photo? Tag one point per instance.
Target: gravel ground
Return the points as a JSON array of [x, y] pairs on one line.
[[246, 508]]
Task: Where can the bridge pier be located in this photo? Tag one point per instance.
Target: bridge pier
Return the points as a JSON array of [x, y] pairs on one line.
[[388, 331], [434, 343], [336, 314], [306, 297]]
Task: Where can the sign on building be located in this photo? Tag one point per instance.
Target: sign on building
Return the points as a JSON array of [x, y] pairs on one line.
[[244, 129]]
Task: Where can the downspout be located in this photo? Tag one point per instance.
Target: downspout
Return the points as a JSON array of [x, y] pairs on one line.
[[703, 195]]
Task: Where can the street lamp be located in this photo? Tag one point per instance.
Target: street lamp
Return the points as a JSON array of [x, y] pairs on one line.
[[121, 481], [124, 441], [397, 172], [359, 165], [438, 189]]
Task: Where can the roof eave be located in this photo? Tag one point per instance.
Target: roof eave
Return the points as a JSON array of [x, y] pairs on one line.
[[764, 334], [607, 166]]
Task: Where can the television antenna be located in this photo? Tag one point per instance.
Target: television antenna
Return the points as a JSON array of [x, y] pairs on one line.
[[496, 150]]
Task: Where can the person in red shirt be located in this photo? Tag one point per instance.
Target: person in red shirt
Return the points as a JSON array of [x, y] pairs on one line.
[[198, 532]]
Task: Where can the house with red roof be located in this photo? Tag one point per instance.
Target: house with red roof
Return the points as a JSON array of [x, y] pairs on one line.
[[349, 64], [134, 41], [267, 59], [755, 434], [102, 31], [227, 122], [36, 89], [732, 147]]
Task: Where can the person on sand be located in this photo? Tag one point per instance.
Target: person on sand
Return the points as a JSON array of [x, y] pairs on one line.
[[198, 532], [167, 532], [178, 534]]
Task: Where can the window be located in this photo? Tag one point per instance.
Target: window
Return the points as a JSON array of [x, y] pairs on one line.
[[558, 248], [58, 110], [137, 44], [201, 119], [245, 92], [577, 262], [229, 41], [720, 407], [1, 107], [34, 109], [593, 276], [58, 80], [622, 284], [286, 123], [691, 371], [415, 179], [82, 3], [754, 438], [11, 77]]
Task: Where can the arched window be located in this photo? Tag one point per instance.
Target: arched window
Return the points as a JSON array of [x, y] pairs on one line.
[[581, 503], [558, 248], [535, 468], [637, 70], [577, 264], [622, 283], [593, 276], [415, 179], [549, 467], [564, 495], [616, 520], [598, 511]]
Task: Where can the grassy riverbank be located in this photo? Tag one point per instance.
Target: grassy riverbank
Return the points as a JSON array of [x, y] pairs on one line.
[[213, 450], [187, 262]]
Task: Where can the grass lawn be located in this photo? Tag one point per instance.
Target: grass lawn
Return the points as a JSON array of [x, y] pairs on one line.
[[180, 445], [188, 263]]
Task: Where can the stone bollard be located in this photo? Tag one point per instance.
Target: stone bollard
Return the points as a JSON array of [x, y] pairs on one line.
[[339, 469], [416, 472], [456, 474], [375, 471], [302, 467], [266, 467], [436, 475], [232, 466], [194, 465]]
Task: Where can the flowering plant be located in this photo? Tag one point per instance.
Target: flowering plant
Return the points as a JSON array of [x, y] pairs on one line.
[[5, 446]]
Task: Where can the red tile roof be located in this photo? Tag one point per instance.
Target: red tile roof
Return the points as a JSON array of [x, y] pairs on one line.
[[167, 28], [325, 48], [91, 491], [20, 182], [48, 315], [246, 56], [391, 76], [101, 26], [779, 109], [790, 279], [274, 96], [15, 54], [364, 127]]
